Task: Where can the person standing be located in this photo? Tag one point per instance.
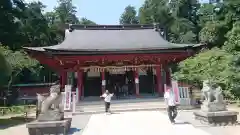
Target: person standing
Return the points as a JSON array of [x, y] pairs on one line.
[[107, 99], [125, 90], [169, 97]]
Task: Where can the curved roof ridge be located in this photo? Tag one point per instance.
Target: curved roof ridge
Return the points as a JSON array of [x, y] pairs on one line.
[[119, 39], [112, 27]]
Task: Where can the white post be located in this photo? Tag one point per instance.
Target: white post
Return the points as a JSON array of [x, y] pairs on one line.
[[77, 95], [74, 103]]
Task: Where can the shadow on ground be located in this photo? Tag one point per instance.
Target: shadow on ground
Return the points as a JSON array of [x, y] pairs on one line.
[[13, 121], [73, 130]]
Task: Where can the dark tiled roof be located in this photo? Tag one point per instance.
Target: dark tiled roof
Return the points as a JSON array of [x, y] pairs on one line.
[[113, 38]]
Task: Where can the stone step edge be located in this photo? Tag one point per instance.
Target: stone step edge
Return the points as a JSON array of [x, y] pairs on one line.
[[131, 109], [116, 111], [117, 108], [113, 106], [127, 103], [123, 101]]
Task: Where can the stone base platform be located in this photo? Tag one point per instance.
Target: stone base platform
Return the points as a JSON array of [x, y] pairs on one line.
[[50, 127], [217, 118]]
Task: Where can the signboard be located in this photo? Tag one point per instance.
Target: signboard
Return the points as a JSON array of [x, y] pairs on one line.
[[103, 82], [67, 97], [176, 90]]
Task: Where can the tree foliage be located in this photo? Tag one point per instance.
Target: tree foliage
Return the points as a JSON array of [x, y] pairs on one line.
[[220, 64], [200, 67], [213, 33], [4, 69], [192, 22], [85, 21], [66, 12], [232, 43], [129, 16], [16, 62], [185, 21], [25, 24]]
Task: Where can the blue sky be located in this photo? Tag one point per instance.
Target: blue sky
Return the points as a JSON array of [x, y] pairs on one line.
[[99, 11]]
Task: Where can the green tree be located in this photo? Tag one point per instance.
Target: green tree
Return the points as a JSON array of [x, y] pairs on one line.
[[10, 13], [56, 34], [232, 44], [85, 21], [18, 61], [213, 33], [4, 69], [178, 17], [129, 16], [35, 26], [185, 20], [210, 65], [155, 11], [207, 13], [51, 18], [220, 65], [66, 12]]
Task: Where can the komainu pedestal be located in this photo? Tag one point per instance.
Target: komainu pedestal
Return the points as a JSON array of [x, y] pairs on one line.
[[213, 107], [50, 127], [50, 115], [213, 110], [217, 118], [216, 114]]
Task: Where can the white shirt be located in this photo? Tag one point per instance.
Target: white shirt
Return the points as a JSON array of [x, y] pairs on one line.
[[107, 98], [170, 98]]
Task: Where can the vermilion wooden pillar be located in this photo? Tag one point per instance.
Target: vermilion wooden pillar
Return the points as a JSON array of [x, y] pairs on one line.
[[160, 85], [103, 81], [80, 84], [63, 79], [136, 76], [168, 76]]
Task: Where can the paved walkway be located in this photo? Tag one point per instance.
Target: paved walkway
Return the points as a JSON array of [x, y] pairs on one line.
[[138, 123], [141, 123]]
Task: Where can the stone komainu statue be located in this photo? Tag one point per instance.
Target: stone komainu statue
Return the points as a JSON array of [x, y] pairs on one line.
[[50, 108], [212, 94]]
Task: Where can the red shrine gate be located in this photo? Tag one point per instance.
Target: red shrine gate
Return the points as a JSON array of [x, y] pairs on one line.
[[114, 48]]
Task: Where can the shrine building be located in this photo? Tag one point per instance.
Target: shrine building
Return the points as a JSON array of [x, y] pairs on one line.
[[93, 58]]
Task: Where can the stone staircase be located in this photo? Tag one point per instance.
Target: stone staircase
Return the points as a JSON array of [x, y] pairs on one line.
[[123, 105], [93, 107]]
